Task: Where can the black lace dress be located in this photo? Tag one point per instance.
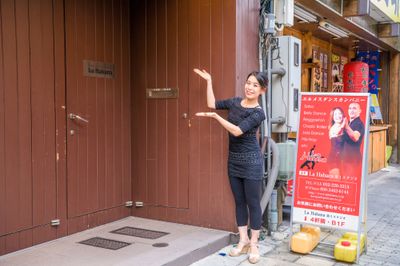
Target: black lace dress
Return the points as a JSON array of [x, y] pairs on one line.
[[245, 159]]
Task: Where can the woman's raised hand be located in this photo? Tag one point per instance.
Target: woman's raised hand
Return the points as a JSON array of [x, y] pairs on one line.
[[202, 73], [210, 94]]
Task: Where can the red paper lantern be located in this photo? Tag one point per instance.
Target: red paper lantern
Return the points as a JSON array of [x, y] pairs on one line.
[[355, 77]]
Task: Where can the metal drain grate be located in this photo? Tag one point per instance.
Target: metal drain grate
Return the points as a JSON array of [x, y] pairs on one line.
[[139, 232], [104, 243]]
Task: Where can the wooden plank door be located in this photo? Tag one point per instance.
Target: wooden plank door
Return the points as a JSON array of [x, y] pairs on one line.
[[28, 180], [161, 146], [98, 108]]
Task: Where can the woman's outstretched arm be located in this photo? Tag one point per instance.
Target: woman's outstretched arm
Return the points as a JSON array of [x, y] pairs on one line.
[[233, 129], [210, 93]]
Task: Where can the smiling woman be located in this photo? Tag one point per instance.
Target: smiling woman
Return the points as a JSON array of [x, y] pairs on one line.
[[245, 162]]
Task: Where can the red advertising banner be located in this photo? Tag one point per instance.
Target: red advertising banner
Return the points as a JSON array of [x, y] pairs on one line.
[[330, 159]]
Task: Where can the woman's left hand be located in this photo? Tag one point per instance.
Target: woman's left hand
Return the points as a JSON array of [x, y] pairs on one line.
[[207, 114]]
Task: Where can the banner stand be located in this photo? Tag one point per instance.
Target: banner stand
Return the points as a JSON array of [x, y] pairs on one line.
[[330, 180]]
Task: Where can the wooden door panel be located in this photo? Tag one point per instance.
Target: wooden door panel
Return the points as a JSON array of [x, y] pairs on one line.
[[98, 159], [27, 127], [15, 122], [162, 179]]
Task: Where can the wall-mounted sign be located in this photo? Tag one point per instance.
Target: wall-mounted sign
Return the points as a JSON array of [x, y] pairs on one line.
[[162, 93], [98, 69]]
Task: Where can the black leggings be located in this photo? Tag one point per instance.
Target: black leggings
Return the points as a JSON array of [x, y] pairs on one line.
[[247, 194]]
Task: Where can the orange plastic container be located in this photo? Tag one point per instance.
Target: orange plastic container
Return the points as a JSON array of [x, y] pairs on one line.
[[345, 251], [305, 240], [302, 243], [314, 231]]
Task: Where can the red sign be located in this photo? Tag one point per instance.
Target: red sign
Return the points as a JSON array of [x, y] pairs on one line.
[[330, 156]]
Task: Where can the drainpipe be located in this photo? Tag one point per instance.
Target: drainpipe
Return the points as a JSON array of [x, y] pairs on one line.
[[272, 175], [266, 32]]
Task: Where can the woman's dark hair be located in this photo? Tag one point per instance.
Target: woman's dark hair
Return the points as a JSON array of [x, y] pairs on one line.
[[331, 115], [261, 78]]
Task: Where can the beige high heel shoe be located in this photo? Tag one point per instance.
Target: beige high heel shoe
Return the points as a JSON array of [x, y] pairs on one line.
[[254, 257], [236, 251]]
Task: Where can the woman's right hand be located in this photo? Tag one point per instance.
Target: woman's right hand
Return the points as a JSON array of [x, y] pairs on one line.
[[210, 94], [202, 73]]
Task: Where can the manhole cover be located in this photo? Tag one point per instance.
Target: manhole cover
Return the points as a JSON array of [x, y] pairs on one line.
[[139, 232], [105, 243], [160, 245]]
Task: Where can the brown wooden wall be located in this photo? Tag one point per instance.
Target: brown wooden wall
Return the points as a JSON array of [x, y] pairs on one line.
[[178, 164], [247, 18], [28, 177], [169, 39], [33, 109], [99, 163]]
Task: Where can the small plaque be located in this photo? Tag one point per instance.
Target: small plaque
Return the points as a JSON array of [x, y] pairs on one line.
[[98, 69], [162, 93]]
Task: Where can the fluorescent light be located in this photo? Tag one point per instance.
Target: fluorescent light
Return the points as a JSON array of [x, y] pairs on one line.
[[304, 15], [331, 33], [333, 30]]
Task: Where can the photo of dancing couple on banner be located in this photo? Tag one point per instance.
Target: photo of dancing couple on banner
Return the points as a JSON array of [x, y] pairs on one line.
[[346, 133]]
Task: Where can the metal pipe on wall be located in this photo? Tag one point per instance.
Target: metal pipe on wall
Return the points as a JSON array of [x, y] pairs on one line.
[[272, 166]]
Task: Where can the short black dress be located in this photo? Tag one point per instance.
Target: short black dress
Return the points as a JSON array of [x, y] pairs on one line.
[[245, 159]]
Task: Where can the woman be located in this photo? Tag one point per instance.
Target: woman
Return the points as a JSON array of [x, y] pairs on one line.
[[336, 130], [245, 161]]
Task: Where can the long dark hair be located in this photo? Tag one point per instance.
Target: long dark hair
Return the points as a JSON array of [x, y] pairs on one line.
[[261, 78], [331, 115]]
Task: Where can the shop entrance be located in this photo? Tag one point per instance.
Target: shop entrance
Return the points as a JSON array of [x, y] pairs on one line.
[[98, 109]]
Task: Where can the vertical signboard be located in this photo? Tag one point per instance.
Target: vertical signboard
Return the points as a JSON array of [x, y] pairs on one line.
[[331, 158]]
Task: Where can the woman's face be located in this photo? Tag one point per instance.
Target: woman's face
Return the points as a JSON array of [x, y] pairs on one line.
[[337, 116], [252, 88]]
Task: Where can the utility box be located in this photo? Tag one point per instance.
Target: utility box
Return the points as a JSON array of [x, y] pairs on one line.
[[287, 159], [284, 10], [285, 89]]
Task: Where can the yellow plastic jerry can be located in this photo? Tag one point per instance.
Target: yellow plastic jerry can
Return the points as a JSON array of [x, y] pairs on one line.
[[305, 240], [345, 251], [314, 231], [352, 237], [302, 242]]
